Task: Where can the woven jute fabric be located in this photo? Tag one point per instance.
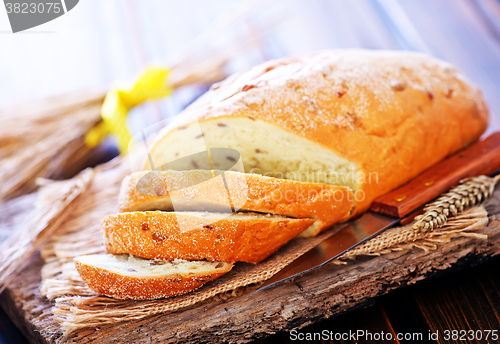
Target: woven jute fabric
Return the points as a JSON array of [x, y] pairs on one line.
[[77, 307]]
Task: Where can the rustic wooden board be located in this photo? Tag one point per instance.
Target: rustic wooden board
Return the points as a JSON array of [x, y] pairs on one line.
[[331, 291]]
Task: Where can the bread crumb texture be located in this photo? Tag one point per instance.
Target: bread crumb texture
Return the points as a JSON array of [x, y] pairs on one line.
[[129, 277]]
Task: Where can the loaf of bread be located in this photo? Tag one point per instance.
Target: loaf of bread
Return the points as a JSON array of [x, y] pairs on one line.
[[219, 191], [129, 277], [319, 136], [367, 120], [218, 237]]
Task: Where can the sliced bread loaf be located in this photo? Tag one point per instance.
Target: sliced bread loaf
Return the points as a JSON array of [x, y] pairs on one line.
[[367, 119]]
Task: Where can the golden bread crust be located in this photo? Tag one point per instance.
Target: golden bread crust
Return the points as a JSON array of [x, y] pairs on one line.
[[327, 204], [120, 286], [393, 113], [176, 235]]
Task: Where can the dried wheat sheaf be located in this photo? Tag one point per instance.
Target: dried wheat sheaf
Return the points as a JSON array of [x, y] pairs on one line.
[[470, 192]]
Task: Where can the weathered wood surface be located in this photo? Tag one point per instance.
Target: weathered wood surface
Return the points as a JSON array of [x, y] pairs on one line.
[[331, 291]]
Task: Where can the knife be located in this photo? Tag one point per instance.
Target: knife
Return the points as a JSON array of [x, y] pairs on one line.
[[398, 206]]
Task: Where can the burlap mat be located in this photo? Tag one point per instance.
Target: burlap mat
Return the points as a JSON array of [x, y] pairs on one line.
[[77, 306]]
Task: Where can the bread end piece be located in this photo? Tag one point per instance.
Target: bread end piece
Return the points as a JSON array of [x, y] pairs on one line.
[[128, 277]]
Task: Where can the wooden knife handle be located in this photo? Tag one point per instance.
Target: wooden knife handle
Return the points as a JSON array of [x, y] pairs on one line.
[[483, 157]]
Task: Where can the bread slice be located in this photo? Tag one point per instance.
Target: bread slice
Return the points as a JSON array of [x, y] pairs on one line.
[[129, 277], [227, 191], [246, 237]]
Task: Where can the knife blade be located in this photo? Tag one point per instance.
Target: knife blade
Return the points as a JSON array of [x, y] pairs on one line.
[[397, 206]]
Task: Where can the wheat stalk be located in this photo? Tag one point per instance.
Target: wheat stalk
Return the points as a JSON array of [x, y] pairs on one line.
[[468, 193], [46, 139]]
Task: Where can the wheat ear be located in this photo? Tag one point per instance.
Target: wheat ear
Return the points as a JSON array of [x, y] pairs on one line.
[[468, 193]]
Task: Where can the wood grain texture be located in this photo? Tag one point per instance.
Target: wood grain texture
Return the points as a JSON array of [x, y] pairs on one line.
[[407, 310], [331, 291], [27, 309]]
